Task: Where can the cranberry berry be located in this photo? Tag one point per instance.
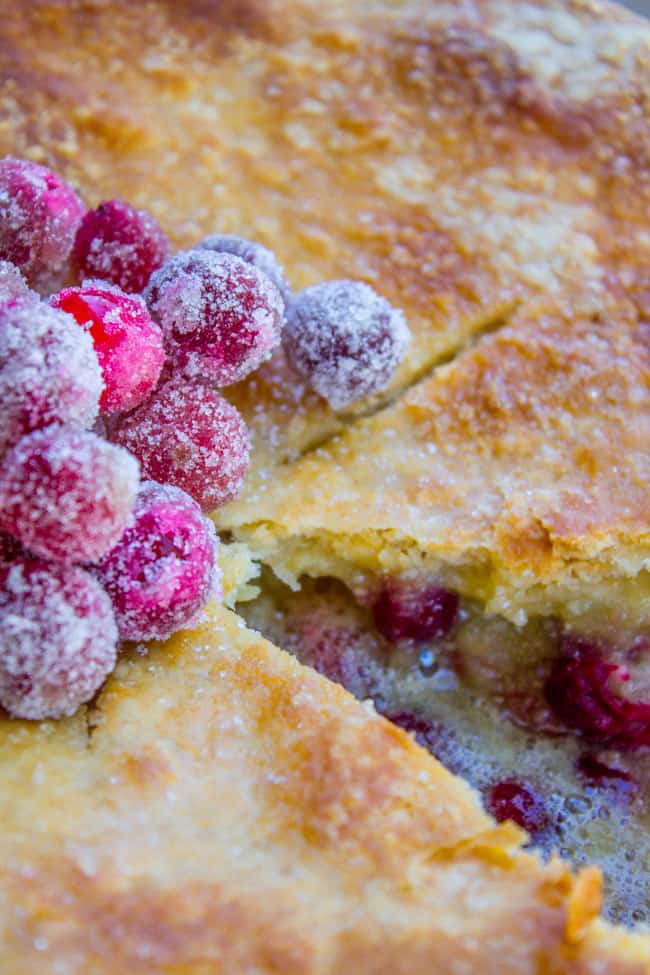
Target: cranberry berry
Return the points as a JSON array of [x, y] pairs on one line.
[[221, 317], [119, 244], [128, 343], [403, 611], [511, 800], [39, 216], [190, 436], [253, 253], [345, 340], [66, 494], [164, 569], [58, 639], [49, 371]]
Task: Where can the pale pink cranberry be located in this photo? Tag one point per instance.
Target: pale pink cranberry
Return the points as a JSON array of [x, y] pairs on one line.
[[49, 372], [129, 345], [253, 253], [39, 216], [221, 316], [511, 800], [119, 244], [66, 494], [13, 285], [190, 436], [582, 691], [403, 611], [164, 568], [345, 340], [58, 639]]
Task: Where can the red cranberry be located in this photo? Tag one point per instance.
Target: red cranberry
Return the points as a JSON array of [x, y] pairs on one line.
[[58, 639], [221, 317], [119, 244], [598, 774], [164, 568], [509, 799], [39, 216], [66, 494], [581, 691], [49, 371], [344, 339], [13, 284], [253, 253], [190, 436], [405, 612], [128, 343]]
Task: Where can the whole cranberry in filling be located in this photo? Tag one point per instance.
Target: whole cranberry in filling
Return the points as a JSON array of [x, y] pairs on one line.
[[129, 345], [344, 339], [164, 568], [253, 253], [190, 436], [587, 691], [406, 612], [49, 372], [220, 315], [119, 244], [510, 799], [39, 216], [58, 639], [66, 494]]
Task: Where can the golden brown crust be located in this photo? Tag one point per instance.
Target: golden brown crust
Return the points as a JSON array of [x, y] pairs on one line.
[[234, 812]]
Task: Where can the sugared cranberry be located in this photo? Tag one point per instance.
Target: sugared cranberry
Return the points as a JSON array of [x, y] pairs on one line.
[[119, 244], [600, 775], [344, 339], [164, 569], [221, 316], [58, 639], [510, 799], [581, 689], [406, 612], [66, 494], [49, 372], [39, 216], [253, 253], [13, 284], [129, 345], [190, 436]]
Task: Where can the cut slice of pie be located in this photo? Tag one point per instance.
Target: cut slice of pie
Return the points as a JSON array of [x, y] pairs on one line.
[[221, 808]]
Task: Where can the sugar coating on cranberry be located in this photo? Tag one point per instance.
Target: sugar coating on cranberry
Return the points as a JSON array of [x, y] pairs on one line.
[[582, 691], [405, 611], [49, 372], [119, 244], [13, 284], [253, 253], [129, 345], [221, 316], [344, 339], [511, 800], [190, 436], [164, 568], [66, 494], [58, 639], [39, 216]]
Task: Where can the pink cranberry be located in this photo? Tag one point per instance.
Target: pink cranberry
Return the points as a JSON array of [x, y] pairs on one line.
[[13, 284], [58, 639], [344, 339], [164, 568], [49, 371], [119, 244], [128, 344], [581, 690], [190, 436], [253, 253], [601, 775], [39, 216], [66, 494], [510, 799], [405, 612], [221, 316]]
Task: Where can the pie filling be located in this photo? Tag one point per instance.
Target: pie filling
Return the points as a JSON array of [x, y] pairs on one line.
[[549, 719]]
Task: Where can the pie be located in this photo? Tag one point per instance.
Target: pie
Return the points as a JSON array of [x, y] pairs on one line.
[[220, 806]]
